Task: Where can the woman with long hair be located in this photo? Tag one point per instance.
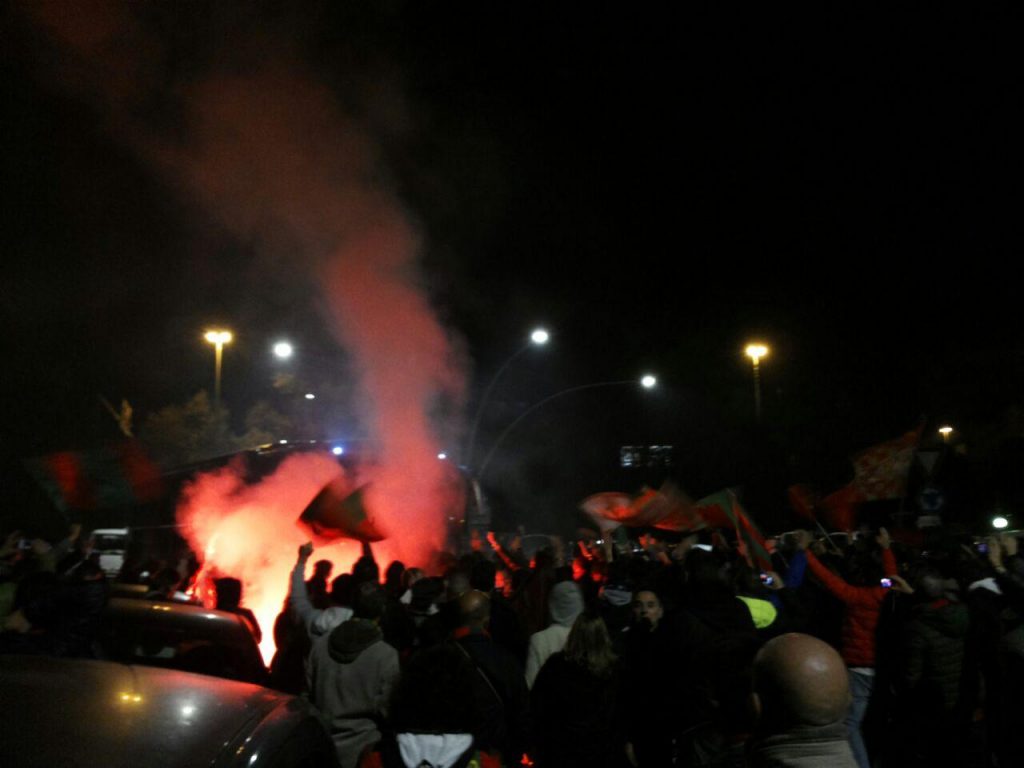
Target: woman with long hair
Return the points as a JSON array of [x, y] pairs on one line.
[[572, 700]]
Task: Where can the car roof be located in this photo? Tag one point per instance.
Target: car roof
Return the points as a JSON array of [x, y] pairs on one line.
[[159, 613], [180, 636], [75, 712]]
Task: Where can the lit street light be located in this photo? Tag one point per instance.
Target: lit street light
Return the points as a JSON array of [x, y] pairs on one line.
[[647, 382], [283, 350], [755, 352], [218, 339], [538, 338], [1000, 522], [945, 431]]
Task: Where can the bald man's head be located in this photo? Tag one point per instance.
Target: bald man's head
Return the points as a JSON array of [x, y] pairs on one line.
[[474, 609], [799, 680]]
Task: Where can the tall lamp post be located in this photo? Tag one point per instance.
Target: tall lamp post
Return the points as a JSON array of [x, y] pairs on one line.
[[538, 338], [218, 339], [755, 352], [647, 382]]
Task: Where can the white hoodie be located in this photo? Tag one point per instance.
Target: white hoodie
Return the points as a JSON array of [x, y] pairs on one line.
[[317, 622]]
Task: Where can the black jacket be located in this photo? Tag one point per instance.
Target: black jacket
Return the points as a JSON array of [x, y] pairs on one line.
[[933, 644], [501, 695], [573, 715]]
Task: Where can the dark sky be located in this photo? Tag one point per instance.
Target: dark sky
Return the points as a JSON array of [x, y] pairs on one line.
[[656, 187]]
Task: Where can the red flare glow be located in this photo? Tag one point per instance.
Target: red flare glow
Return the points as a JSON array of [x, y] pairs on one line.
[[251, 532]]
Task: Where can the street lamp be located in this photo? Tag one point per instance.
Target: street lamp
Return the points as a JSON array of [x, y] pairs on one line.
[[538, 338], [755, 352], [647, 382], [945, 431], [283, 350], [218, 339]]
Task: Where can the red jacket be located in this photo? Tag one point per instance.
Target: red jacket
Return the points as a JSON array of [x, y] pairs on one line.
[[863, 605]]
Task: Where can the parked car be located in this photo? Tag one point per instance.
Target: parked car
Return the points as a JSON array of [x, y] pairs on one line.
[[180, 636], [100, 714]]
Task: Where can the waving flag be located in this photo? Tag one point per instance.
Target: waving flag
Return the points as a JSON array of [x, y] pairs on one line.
[[839, 509], [723, 510], [667, 509], [608, 510], [803, 501], [880, 472], [336, 514]]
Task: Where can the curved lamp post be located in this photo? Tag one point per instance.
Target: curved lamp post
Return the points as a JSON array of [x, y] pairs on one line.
[[538, 338], [218, 339], [647, 382]]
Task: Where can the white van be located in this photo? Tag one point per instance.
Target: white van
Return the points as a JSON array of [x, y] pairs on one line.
[[111, 544]]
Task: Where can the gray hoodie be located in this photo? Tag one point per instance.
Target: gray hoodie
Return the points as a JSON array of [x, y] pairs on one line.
[[349, 676]]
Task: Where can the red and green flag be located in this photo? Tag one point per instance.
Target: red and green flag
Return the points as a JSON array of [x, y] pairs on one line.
[[723, 510], [335, 513]]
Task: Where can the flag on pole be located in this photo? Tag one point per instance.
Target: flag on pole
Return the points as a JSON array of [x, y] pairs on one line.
[[803, 501], [880, 472], [334, 513], [724, 507], [839, 509]]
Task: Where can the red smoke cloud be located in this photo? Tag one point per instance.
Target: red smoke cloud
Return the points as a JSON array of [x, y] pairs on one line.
[[251, 532], [267, 151]]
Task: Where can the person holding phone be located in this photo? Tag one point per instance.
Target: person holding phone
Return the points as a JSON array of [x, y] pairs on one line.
[[862, 602]]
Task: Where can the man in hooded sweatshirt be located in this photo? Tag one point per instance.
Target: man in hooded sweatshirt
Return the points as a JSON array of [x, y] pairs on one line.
[[565, 603], [350, 676]]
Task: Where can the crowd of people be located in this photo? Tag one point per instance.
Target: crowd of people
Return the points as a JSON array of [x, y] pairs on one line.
[[848, 651], [854, 651]]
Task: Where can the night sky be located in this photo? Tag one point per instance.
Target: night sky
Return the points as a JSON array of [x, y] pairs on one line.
[[656, 188]]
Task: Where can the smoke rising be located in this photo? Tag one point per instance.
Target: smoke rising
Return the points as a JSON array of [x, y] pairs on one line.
[[237, 122]]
